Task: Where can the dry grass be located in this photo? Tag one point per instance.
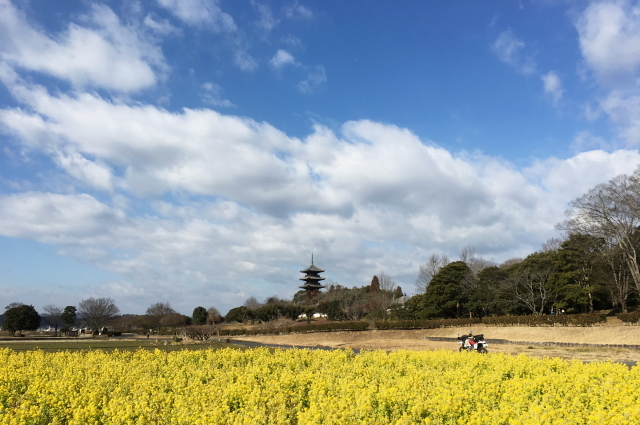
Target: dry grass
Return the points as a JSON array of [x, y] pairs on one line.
[[392, 340]]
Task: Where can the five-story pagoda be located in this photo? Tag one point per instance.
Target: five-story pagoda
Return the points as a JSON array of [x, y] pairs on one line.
[[312, 278]]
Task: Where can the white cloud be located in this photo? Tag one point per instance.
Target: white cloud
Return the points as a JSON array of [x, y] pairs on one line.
[[314, 79], [233, 207], [610, 37], [92, 173], [623, 107], [212, 95], [282, 58], [297, 11], [108, 55], [244, 61], [55, 218], [584, 141], [267, 21], [552, 86], [162, 27], [511, 50], [201, 13], [367, 197], [565, 179], [292, 40]]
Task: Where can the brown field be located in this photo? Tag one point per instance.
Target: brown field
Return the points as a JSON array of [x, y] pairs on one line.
[[391, 340], [613, 332]]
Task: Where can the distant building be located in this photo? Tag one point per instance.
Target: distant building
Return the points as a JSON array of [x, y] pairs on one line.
[[312, 278]]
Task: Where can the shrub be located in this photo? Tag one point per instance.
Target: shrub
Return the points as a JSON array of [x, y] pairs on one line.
[[564, 320], [426, 323], [630, 317]]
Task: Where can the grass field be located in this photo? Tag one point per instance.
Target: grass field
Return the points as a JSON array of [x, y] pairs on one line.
[[107, 345]]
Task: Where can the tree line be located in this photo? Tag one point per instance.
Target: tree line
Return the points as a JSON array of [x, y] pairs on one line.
[[336, 303], [97, 313]]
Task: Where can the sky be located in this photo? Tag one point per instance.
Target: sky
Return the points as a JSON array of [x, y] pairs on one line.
[[197, 152]]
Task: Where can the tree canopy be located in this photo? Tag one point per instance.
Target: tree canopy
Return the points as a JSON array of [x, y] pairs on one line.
[[199, 316], [69, 315], [21, 318], [443, 297], [97, 311]]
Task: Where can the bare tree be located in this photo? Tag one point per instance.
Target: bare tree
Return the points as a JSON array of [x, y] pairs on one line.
[[252, 303], [97, 311], [378, 303], [386, 281], [54, 314], [619, 286], [352, 304], [467, 254], [174, 320], [531, 289], [157, 312], [213, 322], [510, 262], [214, 316], [611, 211], [430, 269], [552, 244]]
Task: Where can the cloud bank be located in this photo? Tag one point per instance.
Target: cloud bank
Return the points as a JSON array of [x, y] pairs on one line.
[[235, 206], [200, 207]]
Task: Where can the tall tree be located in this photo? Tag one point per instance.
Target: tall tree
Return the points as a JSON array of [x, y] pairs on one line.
[[156, 312], [387, 283], [54, 314], [375, 284], [529, 282], [616, 277], [175, 320], [576, 262], [213, 316], [611, 211], [97, 311], [444, 295], [69, 315], [199, 316], [428, 270], [252, 303], [485, 297], [20, 318]]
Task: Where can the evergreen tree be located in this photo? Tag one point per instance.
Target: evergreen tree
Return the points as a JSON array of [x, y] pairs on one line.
[[199, 316], [375, 284], [21, 318], [69, 315], [576, 264], [444, 296]]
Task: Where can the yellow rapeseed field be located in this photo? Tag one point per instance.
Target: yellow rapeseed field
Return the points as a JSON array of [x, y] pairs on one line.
[[311, 387]]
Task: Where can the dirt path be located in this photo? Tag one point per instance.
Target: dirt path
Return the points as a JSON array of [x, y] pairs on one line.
[[393, 340]]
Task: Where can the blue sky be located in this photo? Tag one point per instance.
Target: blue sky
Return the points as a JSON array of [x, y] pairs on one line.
[[196, 152]]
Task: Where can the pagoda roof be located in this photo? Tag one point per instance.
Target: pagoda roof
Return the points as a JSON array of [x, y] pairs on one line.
[[312, 278], [312, 286], [312, 268]]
